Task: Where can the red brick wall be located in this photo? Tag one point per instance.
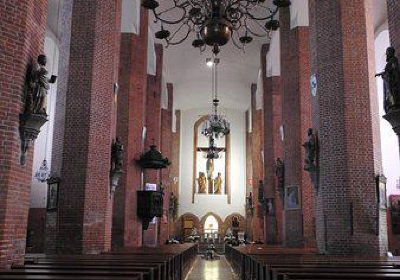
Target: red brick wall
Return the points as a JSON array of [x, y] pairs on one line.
[[394, 23], [22, 25], [175, 168], [257, 146], [340, 48], [87, 127], [299, 224], [273, 148], [166, 148], [153, 124], [36, 230], [127, 229]]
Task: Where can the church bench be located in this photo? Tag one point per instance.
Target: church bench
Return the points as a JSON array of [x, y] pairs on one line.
[[66, 277], [158, 269], [335, 272], [78, 273], [154, 271]]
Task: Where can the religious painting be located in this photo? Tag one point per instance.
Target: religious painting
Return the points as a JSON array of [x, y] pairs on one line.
[[381, 191], [52, 193], [292, 198]]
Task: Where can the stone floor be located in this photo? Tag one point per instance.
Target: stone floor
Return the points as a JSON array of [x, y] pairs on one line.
[[212, 270]]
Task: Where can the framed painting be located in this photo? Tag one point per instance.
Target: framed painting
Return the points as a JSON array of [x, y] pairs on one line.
[[52, 193], [292, 201]]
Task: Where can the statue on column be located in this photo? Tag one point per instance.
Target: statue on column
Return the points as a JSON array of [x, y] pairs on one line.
[[280, 176], [117, 155], [38, 86], [218, 184], [310, 157], [391, 81], [202, 181]]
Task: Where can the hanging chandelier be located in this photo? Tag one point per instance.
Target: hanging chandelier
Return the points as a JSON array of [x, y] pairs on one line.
[[216, 126], [215, 22], [43, 174]]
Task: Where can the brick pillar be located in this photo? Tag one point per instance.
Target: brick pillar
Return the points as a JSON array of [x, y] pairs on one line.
[[257, 115], [393, 7], [342, 50], [273, 148], [22, 25], [84, 124], [249, 173], [153, 124], [175, 169], [166, 148], [127, 227], [296, 109]]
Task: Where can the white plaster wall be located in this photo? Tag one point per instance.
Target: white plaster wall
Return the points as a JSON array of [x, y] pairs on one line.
[[274, 55], [213, 203], [389, 140], [299, 13], [260, 91], [130, 16], [44, 142]]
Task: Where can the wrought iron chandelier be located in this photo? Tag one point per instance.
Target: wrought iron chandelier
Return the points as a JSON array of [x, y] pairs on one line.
[[215, 22], [216, 126]]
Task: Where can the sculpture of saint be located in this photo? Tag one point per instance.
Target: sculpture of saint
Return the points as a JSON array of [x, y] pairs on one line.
[[202, 181], [38, 86], [117, 155], [218, 184], [310, 151], [280, 176], [391, 81]]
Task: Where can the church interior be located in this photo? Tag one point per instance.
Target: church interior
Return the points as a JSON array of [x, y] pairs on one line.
[[199, 139]]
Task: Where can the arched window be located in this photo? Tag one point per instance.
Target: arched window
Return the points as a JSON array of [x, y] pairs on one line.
[[211, 225]]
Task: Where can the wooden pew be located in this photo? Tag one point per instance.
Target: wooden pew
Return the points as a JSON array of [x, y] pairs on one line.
[[164, 263], [265, 263]]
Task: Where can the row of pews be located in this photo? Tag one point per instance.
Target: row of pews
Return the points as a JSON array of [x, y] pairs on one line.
[[255, 262], [170, 262]]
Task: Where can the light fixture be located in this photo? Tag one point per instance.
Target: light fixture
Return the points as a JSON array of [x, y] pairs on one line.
[[43, 173], [215, 22], [216, 126]]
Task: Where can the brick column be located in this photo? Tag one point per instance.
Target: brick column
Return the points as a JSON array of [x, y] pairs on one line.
[[22, 25], [273, 148], [84, 124], [342, 50], [153, 124], [166, 148], [175, 169], [394, 23], [249, 173], [257, 115], [296, 109], [127, 227]]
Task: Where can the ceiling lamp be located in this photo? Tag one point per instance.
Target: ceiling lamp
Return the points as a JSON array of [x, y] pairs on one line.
[[215, 22], [216, 126]]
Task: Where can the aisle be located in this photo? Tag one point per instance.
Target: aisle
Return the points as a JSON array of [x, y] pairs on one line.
[[212, 270]]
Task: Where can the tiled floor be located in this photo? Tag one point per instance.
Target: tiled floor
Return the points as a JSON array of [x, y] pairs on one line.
[[212, 270]]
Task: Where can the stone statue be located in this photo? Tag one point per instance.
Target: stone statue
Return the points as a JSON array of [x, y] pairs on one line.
[[117, 155], [310, 147], [391, 81], [280, 176], [38, 86], [202, 182], [218, 184]]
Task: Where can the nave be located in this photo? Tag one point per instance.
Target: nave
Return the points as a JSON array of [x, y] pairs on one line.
[[218, 269]]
